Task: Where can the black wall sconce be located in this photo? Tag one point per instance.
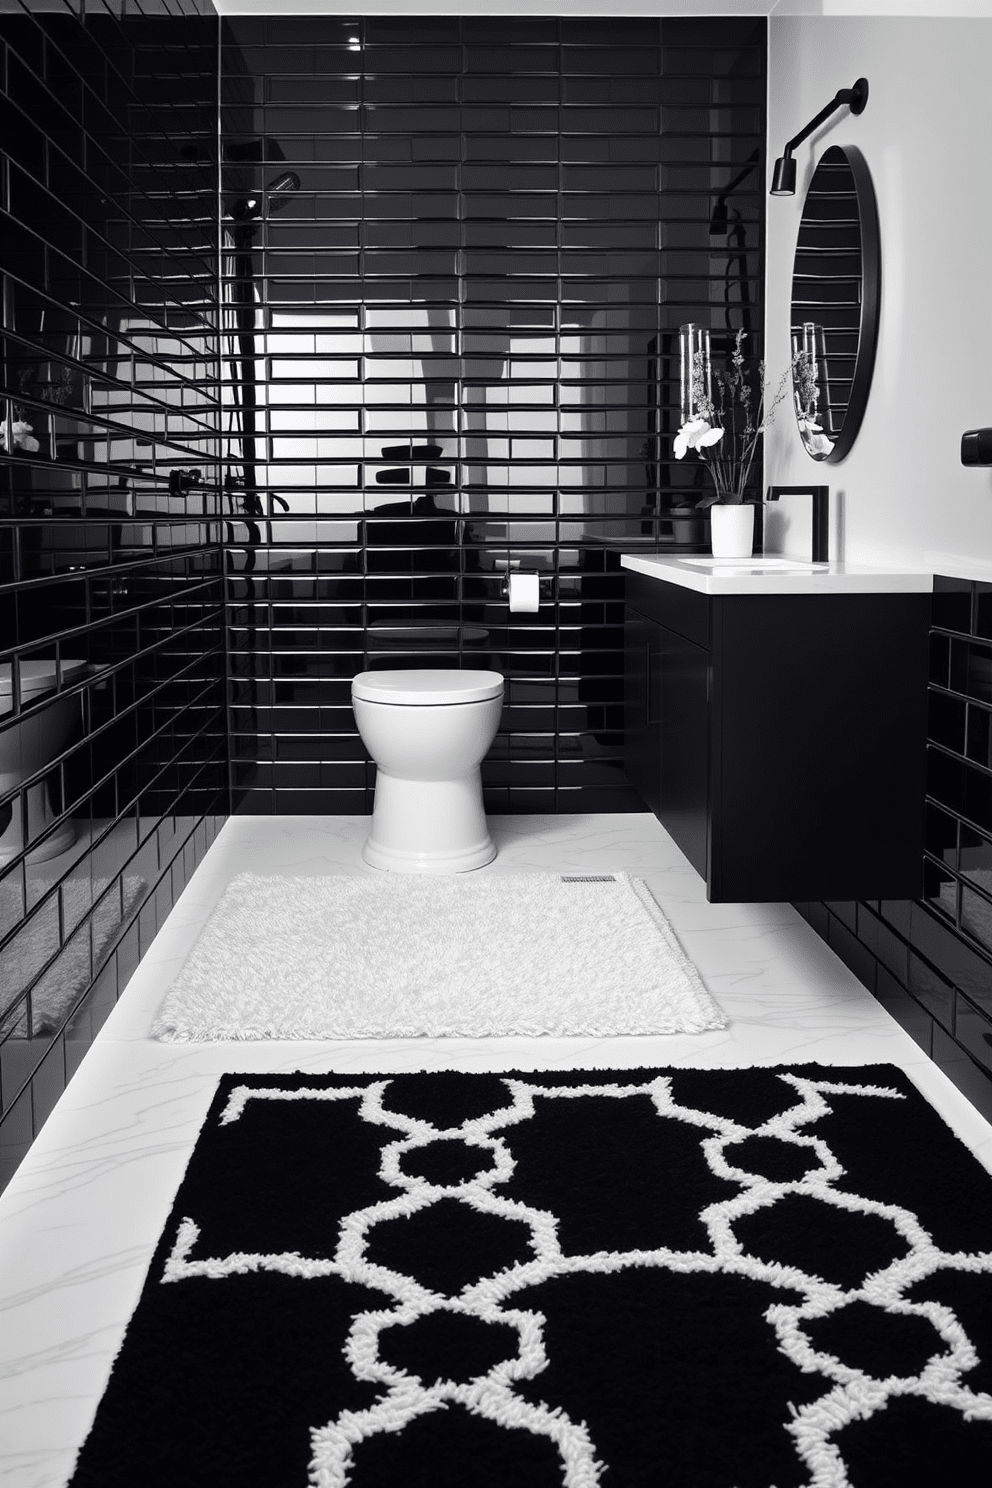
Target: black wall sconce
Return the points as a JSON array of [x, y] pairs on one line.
[[784, 175], [976, 447]]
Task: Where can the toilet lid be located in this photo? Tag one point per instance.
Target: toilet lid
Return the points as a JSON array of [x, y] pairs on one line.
[[39, 676], [426, 688]]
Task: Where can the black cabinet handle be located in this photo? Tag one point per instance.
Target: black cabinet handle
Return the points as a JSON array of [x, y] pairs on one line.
[[654, 682]]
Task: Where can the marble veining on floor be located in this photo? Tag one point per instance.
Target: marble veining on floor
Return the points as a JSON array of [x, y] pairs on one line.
[[80, 1219]]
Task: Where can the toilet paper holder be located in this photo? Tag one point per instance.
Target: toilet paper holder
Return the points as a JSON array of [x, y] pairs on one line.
[[514, 566]]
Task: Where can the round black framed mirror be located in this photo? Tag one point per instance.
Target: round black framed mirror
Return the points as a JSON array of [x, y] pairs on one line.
[[836, 297]]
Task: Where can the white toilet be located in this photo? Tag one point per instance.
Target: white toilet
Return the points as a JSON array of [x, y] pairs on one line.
[[27, 745], [428, 732]]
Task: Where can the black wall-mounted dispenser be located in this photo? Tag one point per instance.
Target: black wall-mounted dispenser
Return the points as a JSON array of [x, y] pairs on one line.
[[976, 447]]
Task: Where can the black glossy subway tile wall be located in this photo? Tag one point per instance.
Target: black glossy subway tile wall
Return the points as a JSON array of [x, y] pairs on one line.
[[930, 962], [113, 748], [457, 252]]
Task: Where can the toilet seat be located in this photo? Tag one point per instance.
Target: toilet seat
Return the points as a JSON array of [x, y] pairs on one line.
[[432, 688]]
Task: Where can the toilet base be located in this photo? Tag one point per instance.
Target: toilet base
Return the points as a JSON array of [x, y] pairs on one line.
[[428, 826]]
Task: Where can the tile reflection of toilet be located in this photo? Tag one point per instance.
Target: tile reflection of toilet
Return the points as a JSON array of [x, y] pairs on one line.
[[470, 643], [428, 732], [38, 736]]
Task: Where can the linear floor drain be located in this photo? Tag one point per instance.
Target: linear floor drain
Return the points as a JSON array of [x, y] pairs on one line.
[[588, 878]]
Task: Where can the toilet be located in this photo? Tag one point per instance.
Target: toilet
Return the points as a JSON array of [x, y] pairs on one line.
[[428, 732], [39, 735]]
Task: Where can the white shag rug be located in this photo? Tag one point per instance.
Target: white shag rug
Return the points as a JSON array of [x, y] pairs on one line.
[[406, 956]]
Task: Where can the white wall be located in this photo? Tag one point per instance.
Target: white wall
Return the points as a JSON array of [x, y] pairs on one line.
[[901, 494]]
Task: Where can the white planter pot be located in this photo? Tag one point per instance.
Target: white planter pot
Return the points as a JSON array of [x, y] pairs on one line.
[[732, 530]]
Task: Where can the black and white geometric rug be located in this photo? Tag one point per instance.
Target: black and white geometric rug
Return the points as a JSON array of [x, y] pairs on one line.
[[760, 1278]]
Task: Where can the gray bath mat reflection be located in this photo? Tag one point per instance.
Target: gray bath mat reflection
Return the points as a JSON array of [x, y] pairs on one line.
[[56, 991], [398, 956]]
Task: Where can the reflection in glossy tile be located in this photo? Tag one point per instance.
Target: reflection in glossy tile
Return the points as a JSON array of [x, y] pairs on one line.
[[547, 188], [110, 498]]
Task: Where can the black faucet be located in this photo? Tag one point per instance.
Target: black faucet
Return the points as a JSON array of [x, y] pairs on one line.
[[821, 515]]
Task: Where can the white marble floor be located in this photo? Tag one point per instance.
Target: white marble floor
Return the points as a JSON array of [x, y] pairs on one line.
[[80, 1219]]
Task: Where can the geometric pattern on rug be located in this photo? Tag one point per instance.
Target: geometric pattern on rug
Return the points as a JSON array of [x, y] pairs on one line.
[[411, 955], [793, 1265]]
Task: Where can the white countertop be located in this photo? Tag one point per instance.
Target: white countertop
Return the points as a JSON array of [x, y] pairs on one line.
[[776, 575]]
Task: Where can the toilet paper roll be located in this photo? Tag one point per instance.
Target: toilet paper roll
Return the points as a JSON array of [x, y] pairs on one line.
[[525, 594]]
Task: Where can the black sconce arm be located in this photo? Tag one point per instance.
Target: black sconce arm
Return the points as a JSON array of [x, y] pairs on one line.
[[857, 97], [718, 219]]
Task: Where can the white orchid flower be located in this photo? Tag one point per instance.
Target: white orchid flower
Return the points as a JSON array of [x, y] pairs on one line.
[[23, 438], [816, 441], [695, 434]]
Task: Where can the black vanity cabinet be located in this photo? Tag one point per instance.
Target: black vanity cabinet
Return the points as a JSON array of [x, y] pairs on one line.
[[780, 738]]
